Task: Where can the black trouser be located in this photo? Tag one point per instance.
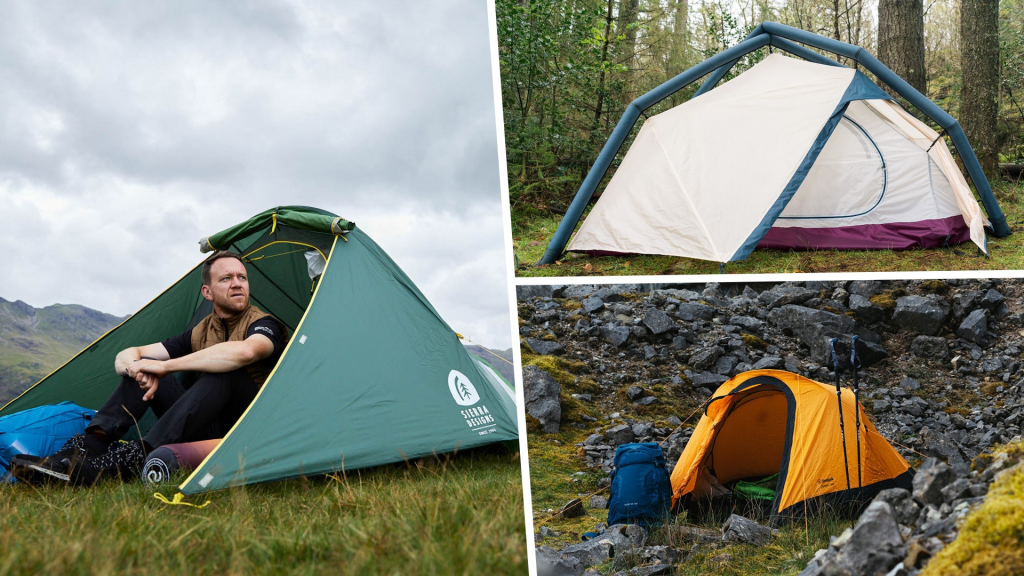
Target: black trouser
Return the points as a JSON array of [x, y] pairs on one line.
[[206, 410]]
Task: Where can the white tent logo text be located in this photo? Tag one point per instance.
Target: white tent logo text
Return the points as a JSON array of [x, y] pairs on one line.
[[462, 389]]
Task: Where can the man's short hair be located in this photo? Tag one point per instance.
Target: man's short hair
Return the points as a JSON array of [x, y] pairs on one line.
[[217, 256]]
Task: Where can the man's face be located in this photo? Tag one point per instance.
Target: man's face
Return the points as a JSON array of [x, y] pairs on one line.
[[228, 288]]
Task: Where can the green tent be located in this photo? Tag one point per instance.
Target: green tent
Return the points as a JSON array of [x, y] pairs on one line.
[[371, 374]]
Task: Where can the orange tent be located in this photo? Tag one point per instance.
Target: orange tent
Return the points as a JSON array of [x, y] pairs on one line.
[[764, 422]]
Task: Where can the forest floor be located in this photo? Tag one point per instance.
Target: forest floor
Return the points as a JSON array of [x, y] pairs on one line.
[[532, 230], [460, 514]]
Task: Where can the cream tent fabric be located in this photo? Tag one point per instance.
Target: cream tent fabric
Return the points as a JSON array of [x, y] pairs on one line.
[[700, 180]]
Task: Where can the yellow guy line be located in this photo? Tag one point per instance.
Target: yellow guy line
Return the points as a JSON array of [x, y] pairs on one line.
[[266, 384], [286, 242]]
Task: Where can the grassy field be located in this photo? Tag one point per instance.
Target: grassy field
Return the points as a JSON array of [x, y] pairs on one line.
[[532, 230], [458, 514]]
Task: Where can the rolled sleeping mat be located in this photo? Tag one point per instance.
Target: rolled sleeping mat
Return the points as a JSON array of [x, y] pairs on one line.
[[165, 460]]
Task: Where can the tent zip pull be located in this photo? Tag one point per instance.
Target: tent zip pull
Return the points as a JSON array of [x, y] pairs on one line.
[[839, 400]]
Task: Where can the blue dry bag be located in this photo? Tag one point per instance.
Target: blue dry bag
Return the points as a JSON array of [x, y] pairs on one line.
[[39, 431], [641, 491]]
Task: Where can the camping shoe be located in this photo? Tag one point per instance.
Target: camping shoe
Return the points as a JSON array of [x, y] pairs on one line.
[[42, 469], [124, 460]]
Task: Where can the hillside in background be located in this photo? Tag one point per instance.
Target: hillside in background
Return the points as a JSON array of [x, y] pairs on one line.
[[500, 360], [35, 341]]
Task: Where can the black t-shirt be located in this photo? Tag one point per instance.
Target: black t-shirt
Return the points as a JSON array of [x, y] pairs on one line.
[[181, 345]]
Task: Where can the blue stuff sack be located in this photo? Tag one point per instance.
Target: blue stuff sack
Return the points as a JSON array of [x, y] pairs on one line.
[[641, 492], [39, 431]]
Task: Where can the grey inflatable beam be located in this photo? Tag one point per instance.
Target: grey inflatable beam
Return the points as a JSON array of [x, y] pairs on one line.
[[779, 36]]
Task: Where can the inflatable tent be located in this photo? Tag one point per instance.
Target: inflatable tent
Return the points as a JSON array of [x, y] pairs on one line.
[[766, 422], [789, 154], [371, 374]]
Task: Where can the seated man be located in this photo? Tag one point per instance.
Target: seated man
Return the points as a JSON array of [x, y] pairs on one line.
[[234, 349]]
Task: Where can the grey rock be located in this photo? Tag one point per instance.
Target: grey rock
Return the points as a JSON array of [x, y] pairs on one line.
[[598, 502], [646, 401], [957, 489], [650, 352], [679, 343], [783, 295], [691, 311], [542, 398], [578, 291], [865, 309], [572, 509], [621, 434], [634, 392], [974, 327], [931, 347], [768, 363], [537, 291], [552, 563], [816, 328], [992, 300], [615, 335], [708, 379], [935, 443], [544, 347], [875, 545], [641, 429], [706, 358], [921, 314], [929, 481], [740, 529], [594, 440], [904, 508], [865, 288], [910, 384], [725, 364], [592, 304], [881, 406], [748, 323], [658, 322]]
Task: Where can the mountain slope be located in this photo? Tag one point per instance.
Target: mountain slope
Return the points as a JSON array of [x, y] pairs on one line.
[[35, 341]]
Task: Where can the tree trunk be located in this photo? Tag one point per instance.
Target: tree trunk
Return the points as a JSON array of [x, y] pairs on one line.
[[979, 63], [901, 40], [627, 19]]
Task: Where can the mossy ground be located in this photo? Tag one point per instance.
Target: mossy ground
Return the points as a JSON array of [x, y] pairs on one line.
[[558, 475], [991, 540], [532, 230]]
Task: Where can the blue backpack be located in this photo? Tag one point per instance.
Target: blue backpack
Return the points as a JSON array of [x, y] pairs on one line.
[[39, 431], [641, 492]]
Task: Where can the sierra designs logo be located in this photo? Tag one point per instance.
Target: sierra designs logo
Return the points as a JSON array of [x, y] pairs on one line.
[[462, 389]]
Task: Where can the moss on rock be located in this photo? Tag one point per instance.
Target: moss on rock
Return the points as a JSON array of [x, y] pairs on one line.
[[991, 540]]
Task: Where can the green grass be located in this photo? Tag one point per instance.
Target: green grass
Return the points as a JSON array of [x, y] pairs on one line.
[[532, 230], [460, 514]]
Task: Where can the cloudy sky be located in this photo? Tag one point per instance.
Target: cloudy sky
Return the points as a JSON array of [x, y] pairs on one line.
[[129, 130]]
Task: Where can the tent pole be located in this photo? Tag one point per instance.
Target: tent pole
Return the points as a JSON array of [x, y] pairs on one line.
[[622, 130], [781, 32], [855, 363], [839, 399]]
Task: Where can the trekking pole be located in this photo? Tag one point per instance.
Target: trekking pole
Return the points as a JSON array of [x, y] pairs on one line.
[[855, 363], [839, 399]]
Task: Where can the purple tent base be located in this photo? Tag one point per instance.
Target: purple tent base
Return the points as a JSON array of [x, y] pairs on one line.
[[894, 236]]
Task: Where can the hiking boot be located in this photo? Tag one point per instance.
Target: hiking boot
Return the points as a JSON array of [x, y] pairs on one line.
[[41, 469], [124, 460]]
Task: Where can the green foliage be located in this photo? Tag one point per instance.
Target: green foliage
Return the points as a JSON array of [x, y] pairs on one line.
[[453, 515]]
